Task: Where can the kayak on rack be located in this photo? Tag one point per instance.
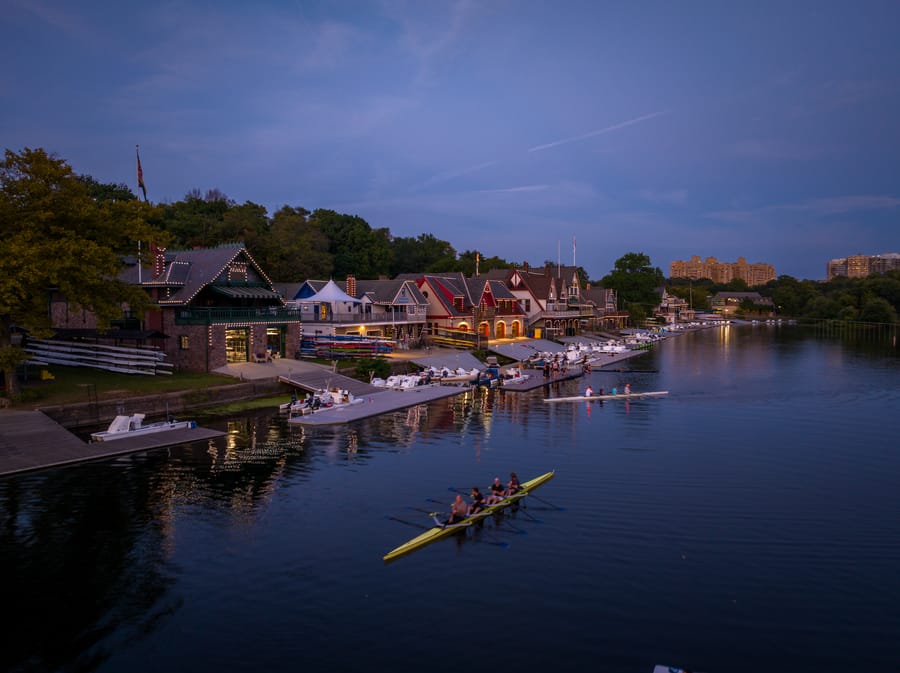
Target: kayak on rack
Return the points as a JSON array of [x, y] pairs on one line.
[[443, 530]]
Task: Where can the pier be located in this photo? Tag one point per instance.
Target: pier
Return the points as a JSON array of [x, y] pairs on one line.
[[31, 440]]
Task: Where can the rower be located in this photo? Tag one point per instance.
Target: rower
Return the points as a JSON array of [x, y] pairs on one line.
[[513, 486], [458, 510], [497, 491], [477, 501], [588, 391], [628, 389]]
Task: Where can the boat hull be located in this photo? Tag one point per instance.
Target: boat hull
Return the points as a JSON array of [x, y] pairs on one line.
[[153, 428], [619, 396], [439, 532]]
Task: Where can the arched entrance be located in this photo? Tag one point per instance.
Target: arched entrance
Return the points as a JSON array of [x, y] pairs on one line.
[[501, 330]]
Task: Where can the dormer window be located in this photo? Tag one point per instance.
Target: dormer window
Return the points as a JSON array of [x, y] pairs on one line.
[[237, 272]]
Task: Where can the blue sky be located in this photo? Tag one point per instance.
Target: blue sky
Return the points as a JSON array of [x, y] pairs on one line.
[[768, 130]]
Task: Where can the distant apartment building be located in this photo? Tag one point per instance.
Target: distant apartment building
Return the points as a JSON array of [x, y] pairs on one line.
[[722, 272], [861, 266]]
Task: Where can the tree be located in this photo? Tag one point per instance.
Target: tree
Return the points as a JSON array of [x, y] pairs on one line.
[[294, 249], [425, 254], [635, 280], [56, 237], [878, 310], [355, 246]]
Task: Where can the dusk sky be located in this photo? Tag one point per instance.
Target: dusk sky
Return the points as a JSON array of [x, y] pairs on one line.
[[768, 130]]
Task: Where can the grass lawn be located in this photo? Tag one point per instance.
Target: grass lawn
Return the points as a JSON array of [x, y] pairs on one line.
[[81, 384]]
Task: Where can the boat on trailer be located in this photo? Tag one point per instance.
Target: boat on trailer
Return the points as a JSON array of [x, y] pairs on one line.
[[617, 396], [443, 530], [133, 426]]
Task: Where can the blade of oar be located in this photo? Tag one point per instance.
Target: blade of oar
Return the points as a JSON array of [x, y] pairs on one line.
[[408, 523], [420, 509], [531, 517], [548, 503]]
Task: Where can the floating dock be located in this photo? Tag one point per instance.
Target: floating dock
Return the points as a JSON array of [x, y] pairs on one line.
[[31, 440]]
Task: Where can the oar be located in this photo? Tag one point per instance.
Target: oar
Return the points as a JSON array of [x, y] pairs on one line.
[[547, 502], [408, 523], [530, 516]]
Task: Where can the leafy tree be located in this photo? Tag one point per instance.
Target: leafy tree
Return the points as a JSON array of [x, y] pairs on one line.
[[107, 192], [56, 237], [635, 280], [423, 254], [366, 368], [355, 246], [294, 249], [878, 310]]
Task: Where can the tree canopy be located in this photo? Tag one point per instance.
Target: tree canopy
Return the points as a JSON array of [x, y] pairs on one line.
[[635, 281], [58, 235]]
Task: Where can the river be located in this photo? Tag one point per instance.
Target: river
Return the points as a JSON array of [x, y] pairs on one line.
[[748, 521]]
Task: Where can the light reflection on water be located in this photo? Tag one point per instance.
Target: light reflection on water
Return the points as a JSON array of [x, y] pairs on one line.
[[746, 522]]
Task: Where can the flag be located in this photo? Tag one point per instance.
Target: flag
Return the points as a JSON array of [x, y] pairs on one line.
[[140, 173]]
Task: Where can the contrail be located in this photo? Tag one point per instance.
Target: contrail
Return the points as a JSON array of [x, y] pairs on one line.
[[614, 127]]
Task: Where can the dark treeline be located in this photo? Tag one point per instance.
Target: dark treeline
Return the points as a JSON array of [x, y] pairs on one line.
[[295, 244], [872, 299]]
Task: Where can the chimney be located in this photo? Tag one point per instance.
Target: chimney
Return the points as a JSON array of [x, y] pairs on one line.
[[351, 284], [159, 260]]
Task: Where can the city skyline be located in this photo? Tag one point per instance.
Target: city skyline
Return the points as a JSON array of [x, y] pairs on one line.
[[756, 130]]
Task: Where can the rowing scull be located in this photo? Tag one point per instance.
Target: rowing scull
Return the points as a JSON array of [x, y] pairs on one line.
[[618, 396], [440, 531]]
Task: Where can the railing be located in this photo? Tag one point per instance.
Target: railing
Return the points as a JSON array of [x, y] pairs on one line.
[[275, 314]]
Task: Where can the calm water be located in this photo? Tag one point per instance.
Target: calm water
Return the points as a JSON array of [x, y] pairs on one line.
[[750, 521]]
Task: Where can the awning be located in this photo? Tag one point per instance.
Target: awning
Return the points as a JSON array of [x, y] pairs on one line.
[[246, 292]]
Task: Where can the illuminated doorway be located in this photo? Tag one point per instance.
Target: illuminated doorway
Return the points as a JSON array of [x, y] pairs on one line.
[[237, 345]]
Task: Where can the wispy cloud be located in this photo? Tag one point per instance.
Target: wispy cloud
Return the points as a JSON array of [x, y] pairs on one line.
[[773, 149], [598, 132], [845, 204], [509, 190], [823, 207], [450, 175], [72, 24], [675, 197]]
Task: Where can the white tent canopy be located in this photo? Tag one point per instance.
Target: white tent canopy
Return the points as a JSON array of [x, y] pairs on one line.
[[330, 294]]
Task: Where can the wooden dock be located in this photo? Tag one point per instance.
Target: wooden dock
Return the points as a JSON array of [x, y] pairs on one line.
[[31, 440]]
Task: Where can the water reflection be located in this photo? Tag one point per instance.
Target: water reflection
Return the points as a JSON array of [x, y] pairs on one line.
[[763, 477]]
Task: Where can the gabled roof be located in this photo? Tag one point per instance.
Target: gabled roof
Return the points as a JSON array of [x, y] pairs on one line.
[[393, 291], [187, 272]]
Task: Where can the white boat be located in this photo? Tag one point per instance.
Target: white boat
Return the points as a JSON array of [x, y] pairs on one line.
[[133, 426], [617, 396], [322, 400]]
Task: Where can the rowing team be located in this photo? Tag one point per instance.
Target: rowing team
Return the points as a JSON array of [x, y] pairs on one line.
[[460, 509]]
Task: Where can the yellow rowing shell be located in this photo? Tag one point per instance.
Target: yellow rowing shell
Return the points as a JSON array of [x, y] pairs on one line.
[[438, 532]]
